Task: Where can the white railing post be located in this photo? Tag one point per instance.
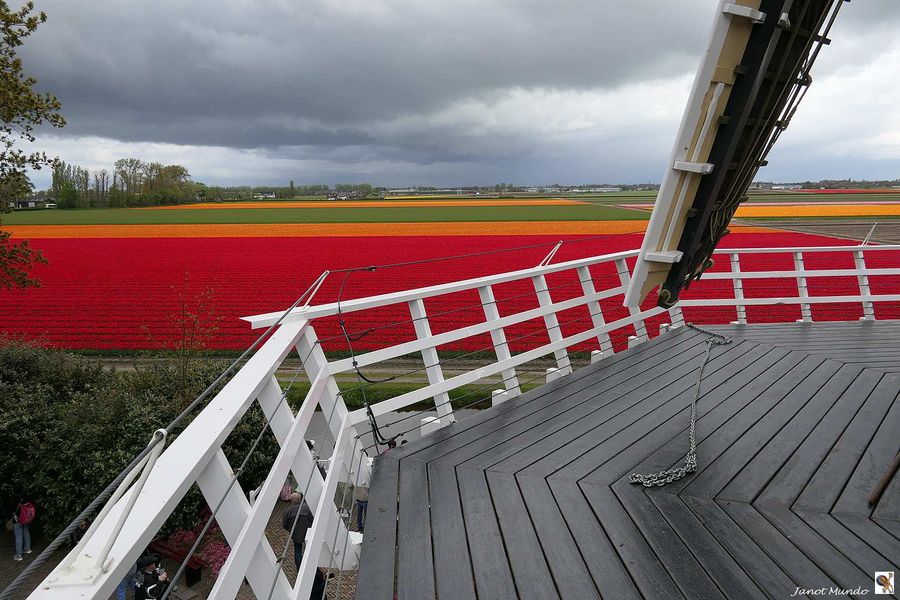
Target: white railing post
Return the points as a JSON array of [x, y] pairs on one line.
[[324, 519], [805, 310], [640, 330], [315, 362], [431, 360], [498, 338], [552, 323], [587, 286], [738, 285], [677, 317], [863, 279]]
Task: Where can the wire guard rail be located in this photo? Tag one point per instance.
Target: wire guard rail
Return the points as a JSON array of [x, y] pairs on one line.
[[533, 325]]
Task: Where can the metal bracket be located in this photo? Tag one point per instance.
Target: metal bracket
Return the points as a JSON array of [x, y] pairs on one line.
[[693, 167], [739, 10], [784, 21]]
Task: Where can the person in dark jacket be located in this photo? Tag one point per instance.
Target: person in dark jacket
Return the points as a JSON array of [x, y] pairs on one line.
[[298, 511], [297, 519], [151, 581]]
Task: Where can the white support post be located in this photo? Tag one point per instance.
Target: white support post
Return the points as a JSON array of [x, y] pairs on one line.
[[234, 512], [677, 317], [429, 425], [554, 373], [304, 468], [640, 329], [321, 530], [860, 262], [499, 397], [431, 360], [315, 362], [803, 290], [596, 356], [587, 286], [633, 341], [498, 338], [552, 323], [253, 528], [738, 285]]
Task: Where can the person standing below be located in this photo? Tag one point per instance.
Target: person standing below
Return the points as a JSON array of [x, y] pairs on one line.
[[361, 495], [297, 519], [298, 511], [150, 581], [22, 515]]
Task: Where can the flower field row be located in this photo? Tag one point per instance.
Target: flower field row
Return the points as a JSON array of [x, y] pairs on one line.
[[369, 204], [143, 293], [343, 230], [820, 210]]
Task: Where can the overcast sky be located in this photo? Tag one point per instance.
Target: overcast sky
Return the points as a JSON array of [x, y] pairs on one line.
[[440, 92]]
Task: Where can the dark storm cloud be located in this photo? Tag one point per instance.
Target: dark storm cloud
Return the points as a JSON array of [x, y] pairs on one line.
[[252, 74], [400, 90]]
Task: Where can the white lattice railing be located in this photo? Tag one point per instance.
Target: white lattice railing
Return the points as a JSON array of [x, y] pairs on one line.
[[784, 281]]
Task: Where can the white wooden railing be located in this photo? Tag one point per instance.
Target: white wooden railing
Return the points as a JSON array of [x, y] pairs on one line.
[[757, 276]]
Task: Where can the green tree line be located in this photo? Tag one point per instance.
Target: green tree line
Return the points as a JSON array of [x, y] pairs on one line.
[[132, 182]]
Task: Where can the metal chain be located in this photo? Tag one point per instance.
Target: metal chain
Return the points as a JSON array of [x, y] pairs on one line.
[[690, 462]]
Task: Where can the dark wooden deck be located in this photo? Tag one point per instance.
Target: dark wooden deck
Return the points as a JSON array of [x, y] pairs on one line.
[[531, 499]]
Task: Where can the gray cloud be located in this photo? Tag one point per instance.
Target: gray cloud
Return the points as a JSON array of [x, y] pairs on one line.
[[523, 90]]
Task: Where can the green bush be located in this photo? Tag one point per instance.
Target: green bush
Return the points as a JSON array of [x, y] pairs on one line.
[[68, 427]]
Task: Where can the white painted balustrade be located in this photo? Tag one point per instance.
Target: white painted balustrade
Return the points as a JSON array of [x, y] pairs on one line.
[[196, 457]]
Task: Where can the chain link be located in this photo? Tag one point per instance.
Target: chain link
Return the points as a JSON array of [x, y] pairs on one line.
[[690, 462]]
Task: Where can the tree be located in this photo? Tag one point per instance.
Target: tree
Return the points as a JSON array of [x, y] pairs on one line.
[[21, 110]]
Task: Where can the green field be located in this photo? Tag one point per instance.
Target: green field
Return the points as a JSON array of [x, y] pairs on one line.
[[123, 216]]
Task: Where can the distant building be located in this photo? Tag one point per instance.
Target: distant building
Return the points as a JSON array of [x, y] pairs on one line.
[[31, 203], [787, 186], [265, 196]]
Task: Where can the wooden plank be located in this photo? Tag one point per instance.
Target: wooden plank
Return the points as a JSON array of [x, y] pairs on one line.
[[877, 456], [815, 547], [376, 565], [493, 578], [649, 574], [722, 568], [854, 548], [526, 558], [794, 561], [557, 399], [677, 559], [757, 473], [593, 374], [631, 441], [887, 545], [592, 401], [452, 563], [737, 440], [415, 569], [825, 486], [563, 556], [641, 397], [767, 574], [723, 393], [789, 482], [603, 562]]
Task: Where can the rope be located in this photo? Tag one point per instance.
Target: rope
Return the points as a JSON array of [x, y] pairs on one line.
[[662, 478]]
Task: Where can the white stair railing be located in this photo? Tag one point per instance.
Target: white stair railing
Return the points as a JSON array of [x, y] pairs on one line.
[[599, 284]]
